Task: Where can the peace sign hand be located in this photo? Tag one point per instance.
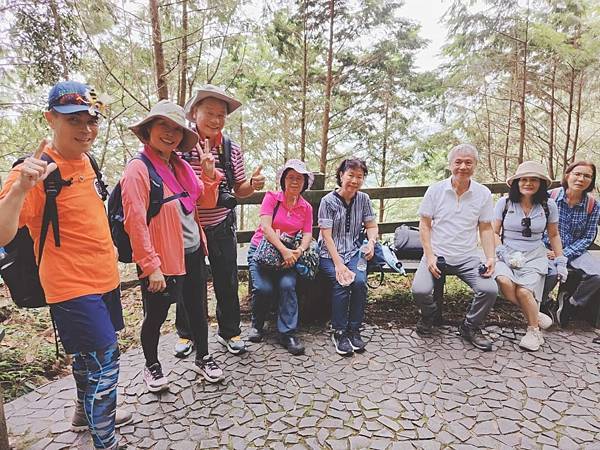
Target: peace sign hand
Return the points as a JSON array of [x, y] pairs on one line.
[[207, 159], [34, 169]]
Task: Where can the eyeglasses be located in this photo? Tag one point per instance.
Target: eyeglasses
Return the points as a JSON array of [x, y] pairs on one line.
[[585, 176], [526, 222]]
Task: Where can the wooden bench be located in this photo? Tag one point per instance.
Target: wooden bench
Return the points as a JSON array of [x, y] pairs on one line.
[[315, 299]]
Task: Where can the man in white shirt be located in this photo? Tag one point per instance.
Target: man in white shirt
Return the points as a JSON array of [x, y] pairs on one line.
[[452, 212]]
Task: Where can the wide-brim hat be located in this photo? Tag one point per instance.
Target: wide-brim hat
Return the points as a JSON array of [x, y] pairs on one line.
[[173, 113], [530, 169], [207, 91], [299, 167]]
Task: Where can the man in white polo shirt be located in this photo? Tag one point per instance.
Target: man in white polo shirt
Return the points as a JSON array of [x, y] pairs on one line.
[[452, 212]]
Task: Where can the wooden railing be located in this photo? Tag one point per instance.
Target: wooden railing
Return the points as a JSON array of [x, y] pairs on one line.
[[394, 192]]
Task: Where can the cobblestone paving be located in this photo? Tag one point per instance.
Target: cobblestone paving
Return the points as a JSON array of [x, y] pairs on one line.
[[404, 392]]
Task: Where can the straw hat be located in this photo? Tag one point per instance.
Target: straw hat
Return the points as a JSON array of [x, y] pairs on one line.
[[173, 113], [210, 90], [530, 169], [299, 167]]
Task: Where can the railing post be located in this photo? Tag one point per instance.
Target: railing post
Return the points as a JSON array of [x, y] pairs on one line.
[[318, 185]]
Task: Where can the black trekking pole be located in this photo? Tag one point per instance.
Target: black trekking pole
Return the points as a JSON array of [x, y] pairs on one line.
[[438, 290]]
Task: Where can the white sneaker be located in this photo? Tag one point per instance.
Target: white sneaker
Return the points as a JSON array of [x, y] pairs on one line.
[[544, 321], [532, 340]]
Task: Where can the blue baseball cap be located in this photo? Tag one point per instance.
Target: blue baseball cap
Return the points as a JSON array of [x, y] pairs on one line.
[[68, 97]]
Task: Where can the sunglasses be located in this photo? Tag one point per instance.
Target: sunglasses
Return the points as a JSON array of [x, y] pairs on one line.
[[526, 222]]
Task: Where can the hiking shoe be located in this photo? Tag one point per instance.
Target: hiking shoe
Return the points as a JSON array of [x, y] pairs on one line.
[[291, 344], [544, 321], [474, 336], [564, 311], [342, 343], [358, 345], [154, 378], [255, 335], [532, 340], [235, 345], [424, 326], [183, 347], [79, 422], [208, 368]]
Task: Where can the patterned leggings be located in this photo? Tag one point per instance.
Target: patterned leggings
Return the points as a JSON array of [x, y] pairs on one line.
[[96, 376]]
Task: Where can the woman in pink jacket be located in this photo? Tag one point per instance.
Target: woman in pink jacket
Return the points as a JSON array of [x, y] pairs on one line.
[[169, 249]]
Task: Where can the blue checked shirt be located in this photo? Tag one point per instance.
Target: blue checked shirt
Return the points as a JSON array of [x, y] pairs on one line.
[[576, 227]]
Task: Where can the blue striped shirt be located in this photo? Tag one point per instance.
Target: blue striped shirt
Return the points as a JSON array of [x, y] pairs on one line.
[[576, 227], [345, 221]]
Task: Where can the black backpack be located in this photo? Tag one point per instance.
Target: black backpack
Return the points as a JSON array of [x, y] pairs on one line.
[[116, 216], [18, 268], [225, 160]]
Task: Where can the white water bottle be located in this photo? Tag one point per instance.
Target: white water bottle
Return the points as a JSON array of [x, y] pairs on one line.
[[362, 261]]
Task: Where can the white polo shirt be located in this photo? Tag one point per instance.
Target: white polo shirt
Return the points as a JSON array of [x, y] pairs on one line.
[[455, 219]]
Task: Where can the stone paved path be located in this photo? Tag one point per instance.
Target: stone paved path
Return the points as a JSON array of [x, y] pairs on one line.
[[404, 392]]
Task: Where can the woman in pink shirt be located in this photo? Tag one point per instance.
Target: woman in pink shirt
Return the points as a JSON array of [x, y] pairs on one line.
[[169, 248], [282, 212]]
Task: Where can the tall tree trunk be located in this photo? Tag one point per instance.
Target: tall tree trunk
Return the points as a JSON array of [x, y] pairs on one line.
[[184, 55], [551, 124], [577, 118], [384, 149], [61, 44], [304, 81], [522, 122], [569, 119], [159, 56], [328, 88], [286, 135], [488, 139], [510, 113]]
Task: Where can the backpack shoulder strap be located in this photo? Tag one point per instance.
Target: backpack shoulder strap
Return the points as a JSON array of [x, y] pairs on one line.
[[53, 184], [101, 185], [275, 210], [504, 211], [591, 202], [156, 189], [226, 161], [546, 210]]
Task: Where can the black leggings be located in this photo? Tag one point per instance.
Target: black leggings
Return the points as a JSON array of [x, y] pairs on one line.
[[189, 292], [156, 308], [193, 301]]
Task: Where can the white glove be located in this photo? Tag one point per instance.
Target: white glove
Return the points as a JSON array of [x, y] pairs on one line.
[[561, 268]]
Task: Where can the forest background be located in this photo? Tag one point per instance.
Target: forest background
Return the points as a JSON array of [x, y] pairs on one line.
[[320, 80]]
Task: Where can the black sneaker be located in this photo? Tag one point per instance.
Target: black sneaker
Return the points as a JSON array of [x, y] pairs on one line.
[[474, 336], [255, 335], [342, 343], [358, 345], [424, 326], [564, 311], [292, 344]]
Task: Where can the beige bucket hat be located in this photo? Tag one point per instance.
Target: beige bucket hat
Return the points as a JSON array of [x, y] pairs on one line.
[[173, 113], [210, 90], [530, 169]]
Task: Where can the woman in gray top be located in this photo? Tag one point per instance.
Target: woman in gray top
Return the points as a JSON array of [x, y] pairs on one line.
[[519, 223]]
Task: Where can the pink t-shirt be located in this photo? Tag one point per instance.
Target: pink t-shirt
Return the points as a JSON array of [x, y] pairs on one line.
[[288, 221]]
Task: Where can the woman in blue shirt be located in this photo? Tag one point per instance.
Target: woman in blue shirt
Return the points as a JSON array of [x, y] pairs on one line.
[[519, 223], [578, 214]]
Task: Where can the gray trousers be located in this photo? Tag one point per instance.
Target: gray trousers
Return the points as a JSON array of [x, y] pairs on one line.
[[588, 287], [486, 290]]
